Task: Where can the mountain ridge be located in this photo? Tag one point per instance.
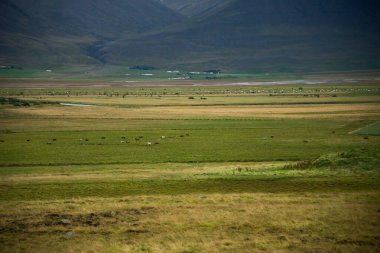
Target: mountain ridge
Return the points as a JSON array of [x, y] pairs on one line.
[[255, 35], [279, 36], [70, 31]]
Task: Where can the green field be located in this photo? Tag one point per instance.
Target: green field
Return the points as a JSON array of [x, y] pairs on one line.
[[249, 169], [115, 73], [210, 141], [373, 129]]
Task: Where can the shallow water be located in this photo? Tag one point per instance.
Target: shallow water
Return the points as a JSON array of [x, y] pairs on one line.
[[253, 83], [80, 105], [297, 82]]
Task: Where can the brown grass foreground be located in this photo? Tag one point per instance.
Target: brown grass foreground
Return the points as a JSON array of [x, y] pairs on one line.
[[303, 222]]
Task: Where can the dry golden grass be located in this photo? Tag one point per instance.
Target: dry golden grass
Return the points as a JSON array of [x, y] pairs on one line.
[[178, 112], [212, 99], [135, 171], [197, 223], [265, 111]]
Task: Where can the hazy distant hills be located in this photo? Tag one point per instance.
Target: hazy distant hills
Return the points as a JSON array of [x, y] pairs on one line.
[[254, 35]]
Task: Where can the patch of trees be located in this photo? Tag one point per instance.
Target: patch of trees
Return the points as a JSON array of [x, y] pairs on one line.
[[13, 101], [10, 67], [213, 71], [142, 67], [19, 102]]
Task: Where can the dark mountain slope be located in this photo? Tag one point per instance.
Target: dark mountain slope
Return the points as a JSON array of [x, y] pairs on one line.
[[103, 17], [192, 8], [72, 31], [278, 35]]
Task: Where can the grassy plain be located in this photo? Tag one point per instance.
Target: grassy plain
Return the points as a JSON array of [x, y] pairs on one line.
[[248, 169], [117, 73], [373, 129]]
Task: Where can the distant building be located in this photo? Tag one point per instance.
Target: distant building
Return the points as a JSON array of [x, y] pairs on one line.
[[213, 71]]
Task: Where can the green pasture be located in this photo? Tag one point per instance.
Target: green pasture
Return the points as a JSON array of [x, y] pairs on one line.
[[355, 170], [121, 73], [373, 129], [277, 183], [181, 141], [128, 73]]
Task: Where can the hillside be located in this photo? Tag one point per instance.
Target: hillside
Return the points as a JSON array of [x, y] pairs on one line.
[[70, 17], [71, 32], [255, 35], [275, 35], [192, 8]]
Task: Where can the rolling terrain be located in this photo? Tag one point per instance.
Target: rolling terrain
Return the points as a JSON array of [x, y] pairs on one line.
[[269, 36], [59, 33], [253, 36]]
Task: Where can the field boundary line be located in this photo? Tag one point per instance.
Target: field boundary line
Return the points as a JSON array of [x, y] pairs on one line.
[[354, 131]]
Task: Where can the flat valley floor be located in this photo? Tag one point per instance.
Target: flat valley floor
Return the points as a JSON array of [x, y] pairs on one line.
[[282, 168]]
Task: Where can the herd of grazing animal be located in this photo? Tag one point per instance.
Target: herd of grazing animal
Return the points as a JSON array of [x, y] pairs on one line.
[[137, 140], [123, 140]]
